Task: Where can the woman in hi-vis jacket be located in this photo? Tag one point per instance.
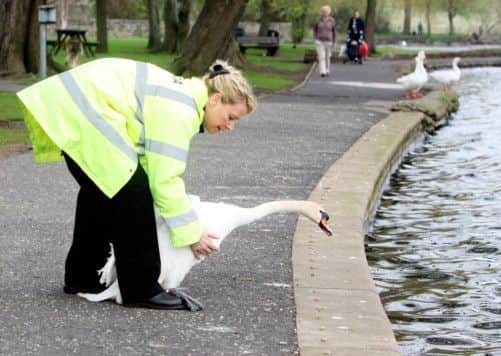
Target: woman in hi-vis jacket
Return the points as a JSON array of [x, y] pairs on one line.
[[124, 128]]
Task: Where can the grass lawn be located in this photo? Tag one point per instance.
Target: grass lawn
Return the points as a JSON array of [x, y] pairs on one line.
[[9, 109], [13, 135], [265, 74]]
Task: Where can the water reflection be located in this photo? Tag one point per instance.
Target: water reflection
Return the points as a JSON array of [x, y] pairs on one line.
[[434, 249]]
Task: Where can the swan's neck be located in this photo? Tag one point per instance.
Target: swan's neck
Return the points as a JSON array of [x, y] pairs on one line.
[[455, 66], [302, 207], [420, 66]]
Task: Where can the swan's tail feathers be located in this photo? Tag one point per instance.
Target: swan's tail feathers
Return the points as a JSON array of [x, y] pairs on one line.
[[108, 274], [112, 292]]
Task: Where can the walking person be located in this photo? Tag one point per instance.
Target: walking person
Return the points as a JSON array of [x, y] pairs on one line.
[[324, 33], [355, 36], [124, 129]]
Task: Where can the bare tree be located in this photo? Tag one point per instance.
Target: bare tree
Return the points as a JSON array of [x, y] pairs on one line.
[[154, 36], [428, 17], [407, 16], [370, 23], [102, 28], [211, 37], [19, 36], [62, 9], [176, 24], [266, 13], [452, 10]]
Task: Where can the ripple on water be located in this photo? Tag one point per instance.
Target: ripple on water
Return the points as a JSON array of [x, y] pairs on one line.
[[434, 246], [490, 325], [447, 341]]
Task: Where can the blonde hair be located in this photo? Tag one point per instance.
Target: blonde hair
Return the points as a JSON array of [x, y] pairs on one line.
[[326, 9], [229, 82]]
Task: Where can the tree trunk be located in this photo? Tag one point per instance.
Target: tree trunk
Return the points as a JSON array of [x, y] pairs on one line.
[[370, 23], [451, 13], [154, 38], [428, 17], [62, 15], [184, 21], [101, 24], [32, 46], [265, 17], [407, 16], [451, 23], [176, 23], [171, 22], [19, 36], [211, 38]]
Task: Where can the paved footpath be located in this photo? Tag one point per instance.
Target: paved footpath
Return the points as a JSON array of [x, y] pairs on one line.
[[279, 153]]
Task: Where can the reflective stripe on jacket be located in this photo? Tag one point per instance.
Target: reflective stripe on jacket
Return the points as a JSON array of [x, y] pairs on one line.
[[111, 113]]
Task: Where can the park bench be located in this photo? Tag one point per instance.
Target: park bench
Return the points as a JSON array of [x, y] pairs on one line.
[[270, 43], [51, 45], [89, 47]]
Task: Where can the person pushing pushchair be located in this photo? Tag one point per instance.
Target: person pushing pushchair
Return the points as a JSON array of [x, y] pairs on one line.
[[355, 37]]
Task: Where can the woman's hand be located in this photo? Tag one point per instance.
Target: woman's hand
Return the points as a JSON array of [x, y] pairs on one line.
[[205, 246]]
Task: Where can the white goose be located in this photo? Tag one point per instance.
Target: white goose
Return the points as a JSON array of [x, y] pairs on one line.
[[414, 81], [218, 218], [448, 76]]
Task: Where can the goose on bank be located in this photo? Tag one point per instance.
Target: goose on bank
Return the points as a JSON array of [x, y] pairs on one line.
[[448, 76], [218, 218], [414, 81]]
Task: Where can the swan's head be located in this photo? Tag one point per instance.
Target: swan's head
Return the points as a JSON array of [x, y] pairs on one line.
[[318, 215], [456, 60], [324, 218], [421, 55]]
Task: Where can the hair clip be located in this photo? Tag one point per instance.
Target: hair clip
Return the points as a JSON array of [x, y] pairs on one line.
[[218, 69]]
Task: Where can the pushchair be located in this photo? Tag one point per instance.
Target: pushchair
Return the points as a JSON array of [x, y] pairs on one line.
[[353, 51]]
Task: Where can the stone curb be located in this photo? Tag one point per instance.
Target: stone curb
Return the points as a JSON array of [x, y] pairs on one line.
[[338, 310]]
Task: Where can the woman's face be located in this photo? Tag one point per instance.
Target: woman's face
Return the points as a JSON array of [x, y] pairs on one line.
[[222, 117]]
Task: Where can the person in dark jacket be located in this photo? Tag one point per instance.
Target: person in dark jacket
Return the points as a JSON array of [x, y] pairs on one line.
[[355, 35]]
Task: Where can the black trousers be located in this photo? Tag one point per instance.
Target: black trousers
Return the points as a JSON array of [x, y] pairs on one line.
[[128, 222]]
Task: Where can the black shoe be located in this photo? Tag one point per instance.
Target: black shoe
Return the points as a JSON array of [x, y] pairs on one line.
[[75, 290], [164, 300], [322, 75]]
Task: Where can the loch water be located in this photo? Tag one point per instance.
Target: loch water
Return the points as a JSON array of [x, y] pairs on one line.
[[434, 247]]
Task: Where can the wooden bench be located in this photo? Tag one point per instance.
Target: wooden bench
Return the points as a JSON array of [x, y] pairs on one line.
[[270, 43], [90, 47], [51, 46]]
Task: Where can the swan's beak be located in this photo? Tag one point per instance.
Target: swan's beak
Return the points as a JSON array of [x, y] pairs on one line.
[[324, 217]]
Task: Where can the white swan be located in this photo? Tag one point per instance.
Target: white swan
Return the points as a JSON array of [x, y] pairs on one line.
[[218, 218], [448, 76], [414, 81]]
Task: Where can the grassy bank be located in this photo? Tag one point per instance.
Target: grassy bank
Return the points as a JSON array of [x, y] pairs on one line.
[[265, 74]]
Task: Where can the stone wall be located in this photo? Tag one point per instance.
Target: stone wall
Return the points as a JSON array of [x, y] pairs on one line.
[[123, 28]]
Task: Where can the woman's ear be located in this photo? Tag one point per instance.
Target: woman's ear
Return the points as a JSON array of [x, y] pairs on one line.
[[215, 98]]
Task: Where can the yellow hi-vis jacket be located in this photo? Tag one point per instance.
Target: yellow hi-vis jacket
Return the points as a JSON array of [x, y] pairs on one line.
[[110, 114]]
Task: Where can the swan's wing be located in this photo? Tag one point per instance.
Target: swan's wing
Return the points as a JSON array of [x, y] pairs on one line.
[[108, 274], [195, 199]]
